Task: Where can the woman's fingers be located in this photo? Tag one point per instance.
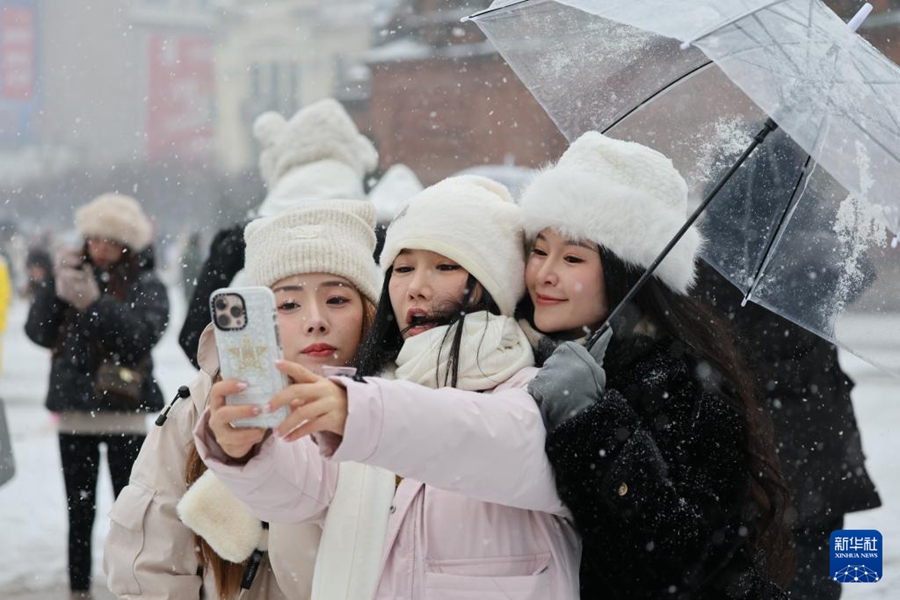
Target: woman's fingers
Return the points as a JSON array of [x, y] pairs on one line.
[[297, 372], [301, 392], [234, 440], [310, 427], [235, 412], [300, 415], [225, 387]]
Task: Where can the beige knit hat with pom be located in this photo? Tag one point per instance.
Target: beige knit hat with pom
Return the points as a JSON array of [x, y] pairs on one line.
[[334, 236]]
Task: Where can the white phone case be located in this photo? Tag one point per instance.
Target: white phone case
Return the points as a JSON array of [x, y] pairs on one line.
[[249, 353]]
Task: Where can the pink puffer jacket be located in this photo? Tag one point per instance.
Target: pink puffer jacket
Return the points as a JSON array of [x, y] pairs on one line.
[[476, 515]]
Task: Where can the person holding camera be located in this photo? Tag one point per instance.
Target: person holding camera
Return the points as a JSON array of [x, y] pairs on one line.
[[100, 313]]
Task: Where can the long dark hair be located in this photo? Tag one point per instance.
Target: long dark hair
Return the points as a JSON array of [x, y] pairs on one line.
[[122, 273], [711, 339], [385, 339]]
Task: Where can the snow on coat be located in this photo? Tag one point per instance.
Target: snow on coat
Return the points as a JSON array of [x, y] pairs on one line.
[[654, 474]]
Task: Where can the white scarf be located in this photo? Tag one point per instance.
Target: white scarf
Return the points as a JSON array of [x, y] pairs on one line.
[[493, 349], [348, 565]]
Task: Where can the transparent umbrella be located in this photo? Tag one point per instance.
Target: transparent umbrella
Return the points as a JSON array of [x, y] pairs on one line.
[[696, 79]]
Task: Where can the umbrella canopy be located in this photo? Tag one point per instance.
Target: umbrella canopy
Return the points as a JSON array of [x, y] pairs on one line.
[[815, 246]]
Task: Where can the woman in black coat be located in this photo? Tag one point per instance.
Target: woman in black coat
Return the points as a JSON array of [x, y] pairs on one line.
[[103, 304], [659, 447]]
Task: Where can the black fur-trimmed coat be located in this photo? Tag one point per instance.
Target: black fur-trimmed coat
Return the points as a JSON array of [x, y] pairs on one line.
[[655, 476], [126, 330]]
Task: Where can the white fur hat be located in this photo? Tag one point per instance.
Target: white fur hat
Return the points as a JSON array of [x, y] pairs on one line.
[[624, 196], [318, 154], [335, 236], [393, 190], [117, 218], [473, 221]]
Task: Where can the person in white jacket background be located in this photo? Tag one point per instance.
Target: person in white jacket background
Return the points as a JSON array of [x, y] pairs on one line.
[[457, 499]]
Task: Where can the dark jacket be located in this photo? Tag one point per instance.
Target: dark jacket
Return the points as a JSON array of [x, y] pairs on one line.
[[808, 398], [656, 478], [226, 258], [125, 330]]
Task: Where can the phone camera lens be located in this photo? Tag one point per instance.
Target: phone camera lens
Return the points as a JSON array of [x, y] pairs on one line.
[[223, 321], [235, 311], [221, 304]]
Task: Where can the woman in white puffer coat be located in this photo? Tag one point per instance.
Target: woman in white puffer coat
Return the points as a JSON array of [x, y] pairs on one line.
[[169, 541]]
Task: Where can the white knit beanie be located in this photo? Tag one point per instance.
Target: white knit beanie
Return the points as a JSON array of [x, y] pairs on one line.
[[473, 221], [116, 218], [318, 154], [626, 197], [335, 236]]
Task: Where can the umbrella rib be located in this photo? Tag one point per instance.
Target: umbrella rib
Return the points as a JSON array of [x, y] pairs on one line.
[[876, 90], [831, 84], [732, 21], [778, 233], [653, 96], [765, 47], [487, 11], [763, 261]]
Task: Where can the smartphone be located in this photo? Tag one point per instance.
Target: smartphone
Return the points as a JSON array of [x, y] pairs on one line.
[[246, 330]]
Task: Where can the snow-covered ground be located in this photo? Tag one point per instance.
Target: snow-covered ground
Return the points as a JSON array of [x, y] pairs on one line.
[[33, 524], [32, 505]]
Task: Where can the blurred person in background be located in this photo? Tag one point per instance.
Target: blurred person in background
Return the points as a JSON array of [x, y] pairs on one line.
[[318, 154], [100, 312], [38, 267], [191, 263], [390, 195], [797, 373], [5, 301]]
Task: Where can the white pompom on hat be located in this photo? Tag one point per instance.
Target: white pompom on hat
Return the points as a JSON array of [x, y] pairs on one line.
[[474, 222], [622, 195], [334, 236], [318, 154], [117, 218]]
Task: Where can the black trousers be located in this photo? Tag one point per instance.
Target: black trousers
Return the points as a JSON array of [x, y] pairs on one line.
[[813, 580], [80, 456]]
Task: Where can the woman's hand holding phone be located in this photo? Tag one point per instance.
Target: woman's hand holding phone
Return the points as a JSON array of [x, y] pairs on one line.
[[316, 403], [235, 442]]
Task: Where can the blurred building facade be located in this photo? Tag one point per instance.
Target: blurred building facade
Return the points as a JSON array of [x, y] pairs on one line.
[[443, 100], [157, 97], [280, 55]]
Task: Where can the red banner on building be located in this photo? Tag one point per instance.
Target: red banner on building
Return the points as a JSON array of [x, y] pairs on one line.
[[17, 54], [180, 98]]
